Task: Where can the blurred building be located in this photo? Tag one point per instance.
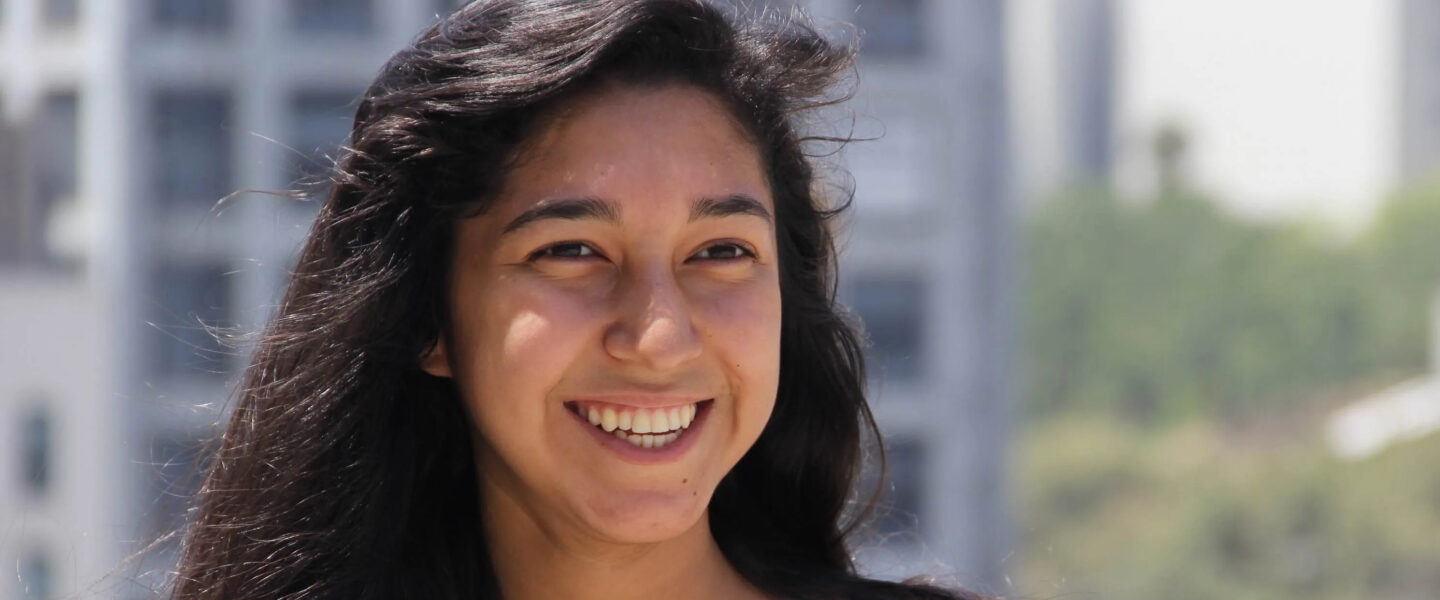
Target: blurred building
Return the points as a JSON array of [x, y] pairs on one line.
[[1085, 57], [57, 499], [1420, 89], [1062, 72], [927, 265], [125, 123]]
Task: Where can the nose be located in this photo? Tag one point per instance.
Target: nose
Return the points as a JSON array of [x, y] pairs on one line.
[[654, 326]]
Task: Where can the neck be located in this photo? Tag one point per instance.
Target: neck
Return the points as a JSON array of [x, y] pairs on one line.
[[532, 561]]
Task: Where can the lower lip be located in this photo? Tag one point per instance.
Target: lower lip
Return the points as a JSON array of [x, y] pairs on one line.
[[641, 455]]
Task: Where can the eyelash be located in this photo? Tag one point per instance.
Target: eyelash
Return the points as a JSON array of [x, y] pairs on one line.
[[547, 252]]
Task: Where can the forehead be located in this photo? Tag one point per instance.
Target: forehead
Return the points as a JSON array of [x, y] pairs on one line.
[[638, 146]]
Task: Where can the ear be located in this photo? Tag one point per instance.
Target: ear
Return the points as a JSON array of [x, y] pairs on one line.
[[436, 360]]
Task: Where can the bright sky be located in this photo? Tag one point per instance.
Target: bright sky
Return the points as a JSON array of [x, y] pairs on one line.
[[1290, 105]]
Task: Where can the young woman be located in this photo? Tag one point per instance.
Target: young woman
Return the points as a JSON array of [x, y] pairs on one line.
[[564, 328]]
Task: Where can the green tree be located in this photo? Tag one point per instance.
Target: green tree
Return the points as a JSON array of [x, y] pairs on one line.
[[1169, 308]]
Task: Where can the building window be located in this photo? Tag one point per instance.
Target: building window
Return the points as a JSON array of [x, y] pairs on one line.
[[201, 16], [14, 228], [37, 451], [58, 146], [192, 157], [60, 13], [175, 477], [319, 124], [900, 495], [191, 313], [891, 28], [892, 309], [57, 154], [36, 578], [350, 17], [903, 493]]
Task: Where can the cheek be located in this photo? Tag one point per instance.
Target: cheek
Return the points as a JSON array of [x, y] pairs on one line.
[[744, 328], [514, 343]]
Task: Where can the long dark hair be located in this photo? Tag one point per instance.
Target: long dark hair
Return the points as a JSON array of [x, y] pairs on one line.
[[347, 472]]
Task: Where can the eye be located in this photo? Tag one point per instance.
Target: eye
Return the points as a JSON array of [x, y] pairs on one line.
[[565, 251], [725, 252]]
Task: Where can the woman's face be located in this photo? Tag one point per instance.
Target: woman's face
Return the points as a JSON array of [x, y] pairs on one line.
[[627, 274]]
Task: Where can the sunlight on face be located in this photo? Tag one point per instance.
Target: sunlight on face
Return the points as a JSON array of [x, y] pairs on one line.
[[628, 266]]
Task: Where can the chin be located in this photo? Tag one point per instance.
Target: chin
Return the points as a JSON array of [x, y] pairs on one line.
[[648, 517]]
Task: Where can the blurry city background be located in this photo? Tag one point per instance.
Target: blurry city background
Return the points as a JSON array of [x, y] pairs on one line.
[[1151, 286]]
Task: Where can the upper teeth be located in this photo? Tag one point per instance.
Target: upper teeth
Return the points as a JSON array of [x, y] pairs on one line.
[[641, 420]]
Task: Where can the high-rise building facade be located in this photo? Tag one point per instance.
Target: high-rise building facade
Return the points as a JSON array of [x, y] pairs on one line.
[[1419, 126], [1085, 60], [125, 124], [927, 266], [1063, 68]]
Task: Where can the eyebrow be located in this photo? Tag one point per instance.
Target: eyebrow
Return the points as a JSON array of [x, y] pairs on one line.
[[725, 206], [570, 209], [574, 209]]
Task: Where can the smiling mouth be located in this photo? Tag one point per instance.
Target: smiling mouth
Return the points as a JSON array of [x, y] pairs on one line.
[[642, 427]]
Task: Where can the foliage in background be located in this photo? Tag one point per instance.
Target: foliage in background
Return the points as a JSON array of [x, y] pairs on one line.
[[1209, 513], [1180, 364], [1167, 309], [1402, 249]]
